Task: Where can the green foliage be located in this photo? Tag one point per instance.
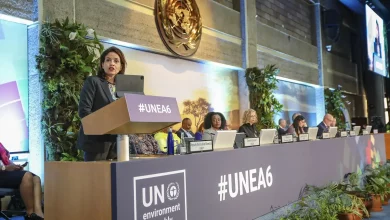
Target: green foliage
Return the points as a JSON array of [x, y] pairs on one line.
[[68, 157], [325, 204], [334, 105], [377, 180], [261, 84], [64, 63]]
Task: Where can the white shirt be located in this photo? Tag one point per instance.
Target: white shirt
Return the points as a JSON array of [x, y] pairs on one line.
[[187, 133]]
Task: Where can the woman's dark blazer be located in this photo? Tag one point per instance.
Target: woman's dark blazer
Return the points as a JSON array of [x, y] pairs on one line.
[[94, 95]]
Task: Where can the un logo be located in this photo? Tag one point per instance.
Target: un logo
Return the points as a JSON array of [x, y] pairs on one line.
[[179, 25], [173, 191]]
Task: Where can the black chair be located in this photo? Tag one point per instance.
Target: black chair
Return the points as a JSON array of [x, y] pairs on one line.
[[15, 205]]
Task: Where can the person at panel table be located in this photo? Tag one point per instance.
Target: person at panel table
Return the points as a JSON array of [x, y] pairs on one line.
[[282, 127], [186, 125], [213, 122], [97, 92], [324, 125], [199, 133], [299, 125], [334, 122], [249, 119], [13, 176], [291, 128]]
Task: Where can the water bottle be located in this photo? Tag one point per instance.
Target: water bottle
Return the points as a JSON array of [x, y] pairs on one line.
[[170, 143], [183, 148], [177, 147]]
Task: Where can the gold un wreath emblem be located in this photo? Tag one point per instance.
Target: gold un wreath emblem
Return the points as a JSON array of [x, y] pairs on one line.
[[179, 25]]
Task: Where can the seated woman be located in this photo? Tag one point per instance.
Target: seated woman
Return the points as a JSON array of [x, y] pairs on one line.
[[299, 125], [213, 122], [249, 119], [199, 133], [13, 176]]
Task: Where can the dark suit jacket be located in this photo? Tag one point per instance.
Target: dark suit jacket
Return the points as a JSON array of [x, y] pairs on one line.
[[181, 130], [321, 129], [282, 131], [94, 95], [249, 130]]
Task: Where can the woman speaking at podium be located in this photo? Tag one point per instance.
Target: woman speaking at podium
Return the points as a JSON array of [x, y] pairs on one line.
[[97, 92]]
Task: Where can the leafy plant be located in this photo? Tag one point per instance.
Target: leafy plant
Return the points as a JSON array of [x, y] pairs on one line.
[[261, 84], [66, 57], [334, 105], [325, 203], [68, 157], [353, 184], [377, 181]]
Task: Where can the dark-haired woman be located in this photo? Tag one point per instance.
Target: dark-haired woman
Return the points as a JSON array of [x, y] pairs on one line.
[[213, 122], [97, 92], [298, 124]]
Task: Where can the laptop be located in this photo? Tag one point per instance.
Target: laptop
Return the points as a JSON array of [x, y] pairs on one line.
[[368, 128], [129, 84], [312, 133], [267, 136], [239, 141], [332, 132], [356, 129], [224, 139]]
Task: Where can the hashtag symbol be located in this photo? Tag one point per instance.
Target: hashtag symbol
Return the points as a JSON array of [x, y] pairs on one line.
[[222, 188], [141, 107]]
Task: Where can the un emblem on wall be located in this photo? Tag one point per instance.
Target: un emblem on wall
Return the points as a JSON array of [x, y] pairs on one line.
[[173, 191], [179, 25]]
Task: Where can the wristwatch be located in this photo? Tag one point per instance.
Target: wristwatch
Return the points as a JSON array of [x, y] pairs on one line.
[[3, 168]]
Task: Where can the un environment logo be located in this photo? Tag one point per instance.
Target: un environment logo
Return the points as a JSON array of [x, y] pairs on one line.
[[173, 191]]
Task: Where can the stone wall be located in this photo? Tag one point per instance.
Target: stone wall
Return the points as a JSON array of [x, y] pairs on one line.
[[227, 3], [294, 17], [26, 9], [133, 22]]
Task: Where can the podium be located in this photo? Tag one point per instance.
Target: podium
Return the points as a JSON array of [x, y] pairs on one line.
[[87, 190], [132, 114]]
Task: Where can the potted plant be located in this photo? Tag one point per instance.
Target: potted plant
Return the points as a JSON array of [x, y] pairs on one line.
[[352, 184], [347, 206], [334, 105], [376, 185], [261, 85]]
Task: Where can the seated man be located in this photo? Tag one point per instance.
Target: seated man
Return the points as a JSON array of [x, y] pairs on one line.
[[324, 125], [186, 125], [282, 130], [334, 123]]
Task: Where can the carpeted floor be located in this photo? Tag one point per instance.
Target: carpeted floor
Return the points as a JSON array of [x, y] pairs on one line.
[[384, 215]]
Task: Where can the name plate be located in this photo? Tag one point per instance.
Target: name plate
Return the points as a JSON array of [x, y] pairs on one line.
[[303, 137], [201, 146], [365, 132], [375, 131], [325, 135], [287, 138], [250, 142], [343, 134], [352, 133]]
